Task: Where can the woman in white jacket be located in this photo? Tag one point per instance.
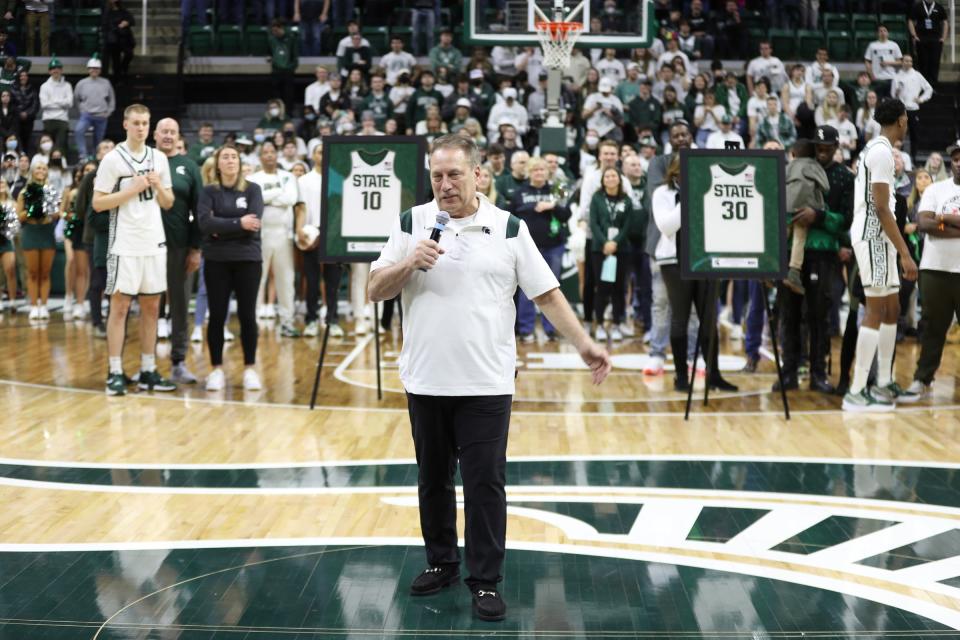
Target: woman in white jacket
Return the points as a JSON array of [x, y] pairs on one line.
[[683, 294]]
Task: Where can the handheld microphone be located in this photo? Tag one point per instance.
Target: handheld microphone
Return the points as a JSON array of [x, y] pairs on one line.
[[443, 218]]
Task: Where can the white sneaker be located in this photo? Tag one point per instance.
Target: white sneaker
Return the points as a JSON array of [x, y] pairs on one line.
[[269, 311], [654, 367], [916, 391], [336, 331], [228, 335], [361, 328], [311, 330], [251, 381], [197, 335], [79, 312], [163, 329], [216, 381], [34, 313], [601, 334], [44, 312], [615, 334], [626, 330], [736, 333], [67, 312]]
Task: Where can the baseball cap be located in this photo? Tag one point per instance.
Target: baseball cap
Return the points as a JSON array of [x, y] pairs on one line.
[[726, 119], [55, 63], [648, 141], [543, 75], [826, 135], [952, 149], [94, 63], [632, 65], [243, 139], [476, 74], [605, 84], [464, 102], [510, 92]]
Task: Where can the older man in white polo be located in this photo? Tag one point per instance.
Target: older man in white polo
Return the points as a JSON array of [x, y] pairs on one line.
[[458, 361]]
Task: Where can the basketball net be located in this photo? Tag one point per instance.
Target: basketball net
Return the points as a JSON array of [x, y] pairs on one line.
[[557, 38]]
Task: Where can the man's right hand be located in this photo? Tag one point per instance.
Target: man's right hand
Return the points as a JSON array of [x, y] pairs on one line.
[[139, 184], [426, 254], [909, 268]]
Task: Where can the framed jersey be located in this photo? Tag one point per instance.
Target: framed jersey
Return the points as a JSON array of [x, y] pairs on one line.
[[367, 182], [731, 211]]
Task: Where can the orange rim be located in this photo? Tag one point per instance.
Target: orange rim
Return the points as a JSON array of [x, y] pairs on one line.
[[559, 28]]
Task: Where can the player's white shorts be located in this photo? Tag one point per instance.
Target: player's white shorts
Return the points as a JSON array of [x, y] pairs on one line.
[[877, 260], [133, 275]]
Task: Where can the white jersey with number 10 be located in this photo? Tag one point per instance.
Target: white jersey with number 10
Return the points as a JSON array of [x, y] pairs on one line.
[[733, 212], [371, 197]]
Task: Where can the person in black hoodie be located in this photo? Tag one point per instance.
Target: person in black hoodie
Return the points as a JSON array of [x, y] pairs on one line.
[[118, 40], [534, 203], [27, 102], [229, 212]]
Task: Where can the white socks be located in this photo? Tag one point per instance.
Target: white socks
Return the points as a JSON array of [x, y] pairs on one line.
[[886, 346], [148, 362], [116, 365], [867, 341]]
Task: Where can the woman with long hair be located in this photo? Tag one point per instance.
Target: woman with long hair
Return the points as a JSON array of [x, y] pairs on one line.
[[829, 110], [208, 175], [487, 186], [682, 294], [229, 214], [936, 167], [77, 268], [611, 218], [8, 253], [37, 239], [866, 125]]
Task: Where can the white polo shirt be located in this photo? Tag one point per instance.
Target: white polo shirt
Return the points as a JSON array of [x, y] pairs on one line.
[[458, 317], [941, 254]]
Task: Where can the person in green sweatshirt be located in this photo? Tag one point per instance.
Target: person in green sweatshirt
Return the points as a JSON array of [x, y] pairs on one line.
[[183, 243], [445, 54], [284, 59]]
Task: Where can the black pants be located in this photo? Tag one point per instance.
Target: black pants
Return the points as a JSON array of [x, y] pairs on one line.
[[117, 59], [928, 59], [818, 273], [243, 279], [474, 430], [283, 87], [683, 296], [941, 303], [589, 287], [98, 284], [913, 129], [312, 268], [606, 290]]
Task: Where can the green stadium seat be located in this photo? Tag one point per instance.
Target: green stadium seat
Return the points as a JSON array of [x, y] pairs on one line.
[[88, 17], [88, 39], [230, 40], [753, 20], [200, 40], [894, 21], [808, 41], [841, 46], [862, 40], [836, 22], [784, 43], [379, 38], [754, 36], [864, 22], [255, 38]]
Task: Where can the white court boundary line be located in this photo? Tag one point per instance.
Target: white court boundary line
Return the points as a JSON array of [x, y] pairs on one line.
[[656, 457], [943, 615]]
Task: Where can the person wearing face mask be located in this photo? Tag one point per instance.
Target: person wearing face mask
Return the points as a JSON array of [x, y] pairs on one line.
[[11, 174], [43, 149], [56, 98], [57, 175], [95, 101], [274, 117]]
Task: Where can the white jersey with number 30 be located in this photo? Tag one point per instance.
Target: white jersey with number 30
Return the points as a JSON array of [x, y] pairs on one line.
[[733, 212], [371, 197]]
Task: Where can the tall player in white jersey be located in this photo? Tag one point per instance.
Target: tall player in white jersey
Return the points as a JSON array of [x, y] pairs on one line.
[[133, 184], [876, 243]]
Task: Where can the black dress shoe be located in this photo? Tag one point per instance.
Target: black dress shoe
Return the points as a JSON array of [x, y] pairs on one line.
[[719, 384], [822, 385], [681, 384], [434, 579], [488, 605], [790, 383]]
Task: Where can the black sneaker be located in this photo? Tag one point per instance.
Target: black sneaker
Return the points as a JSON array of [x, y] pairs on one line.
[[153, 381], [116, 385], [488, 605], [434, 579]]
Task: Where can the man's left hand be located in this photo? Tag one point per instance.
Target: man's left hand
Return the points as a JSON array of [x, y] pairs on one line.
[[193, 260], [597, 358]]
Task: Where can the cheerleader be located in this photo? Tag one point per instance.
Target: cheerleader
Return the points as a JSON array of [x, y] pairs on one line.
[[8, 254], [77, 269], [38, 219]]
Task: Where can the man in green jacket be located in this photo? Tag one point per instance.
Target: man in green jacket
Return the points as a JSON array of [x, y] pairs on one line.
[[733, 95], [284, 59], [446, 55], [644, 111], [821, 262], [183, 242]]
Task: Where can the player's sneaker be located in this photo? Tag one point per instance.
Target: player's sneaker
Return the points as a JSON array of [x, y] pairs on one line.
[[116, 385], [890, 392], [153, 381], [251, 381], [916, 391], [865, 402], [654, 367], [289, 331], [215, 381]]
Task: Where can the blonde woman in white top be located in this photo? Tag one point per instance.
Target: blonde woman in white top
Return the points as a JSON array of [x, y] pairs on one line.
[[829, 110]]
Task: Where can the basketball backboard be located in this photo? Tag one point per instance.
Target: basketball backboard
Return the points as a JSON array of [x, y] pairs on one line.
[[631, 25]]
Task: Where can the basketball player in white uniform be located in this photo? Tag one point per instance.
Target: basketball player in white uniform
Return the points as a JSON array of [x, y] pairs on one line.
[[133, 183], [371, 204], [876, 243]]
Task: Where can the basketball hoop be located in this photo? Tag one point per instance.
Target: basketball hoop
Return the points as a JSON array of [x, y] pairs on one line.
[[557, 38]]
